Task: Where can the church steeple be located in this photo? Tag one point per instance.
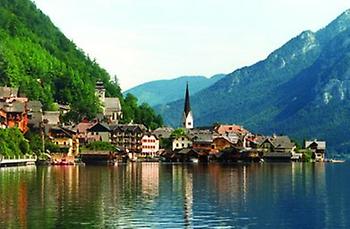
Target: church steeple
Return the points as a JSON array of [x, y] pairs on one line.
[[187, 120], [187, 101]]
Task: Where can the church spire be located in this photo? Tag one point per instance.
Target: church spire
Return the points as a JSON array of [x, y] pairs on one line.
[[187, 121], [187, 101]]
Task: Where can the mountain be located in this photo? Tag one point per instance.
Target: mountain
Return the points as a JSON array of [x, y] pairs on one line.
[[36, 57], [302, 89], [39, 59], [171, 90]]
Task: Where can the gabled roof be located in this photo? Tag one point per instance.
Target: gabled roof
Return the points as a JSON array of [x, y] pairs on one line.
[[150, 135], [62, 130], [8, 92], [319, 144], [163, 132], [222, 129], [204, 138], [83, 126], [13, 107], [130, 128], [112, 104], [280, 142], [35, 106], [99, 127]]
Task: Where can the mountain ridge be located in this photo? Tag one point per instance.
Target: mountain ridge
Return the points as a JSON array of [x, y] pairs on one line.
[[286, 92], [170, 89]]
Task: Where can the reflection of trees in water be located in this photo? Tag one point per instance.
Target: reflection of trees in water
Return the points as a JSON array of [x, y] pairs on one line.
[[14, 185]]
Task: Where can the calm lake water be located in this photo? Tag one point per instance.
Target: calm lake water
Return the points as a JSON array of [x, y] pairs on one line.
[[176, 196]]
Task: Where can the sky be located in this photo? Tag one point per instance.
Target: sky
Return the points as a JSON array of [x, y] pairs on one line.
[[145, 40]]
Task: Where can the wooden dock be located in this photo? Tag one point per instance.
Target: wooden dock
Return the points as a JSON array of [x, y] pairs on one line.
[[17, 160]]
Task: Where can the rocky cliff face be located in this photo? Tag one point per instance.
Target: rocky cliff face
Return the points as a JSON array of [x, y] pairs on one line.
[[301, 89]]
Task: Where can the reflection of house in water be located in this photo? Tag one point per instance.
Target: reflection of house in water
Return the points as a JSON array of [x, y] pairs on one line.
[[150, 178]]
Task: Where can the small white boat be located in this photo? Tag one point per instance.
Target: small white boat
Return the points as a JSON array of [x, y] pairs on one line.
[[337, 161], [194, 160]]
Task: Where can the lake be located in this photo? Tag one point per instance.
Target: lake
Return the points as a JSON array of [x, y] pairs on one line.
[[269, 195]]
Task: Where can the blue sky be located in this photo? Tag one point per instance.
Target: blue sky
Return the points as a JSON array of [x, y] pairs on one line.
[[144, 40]]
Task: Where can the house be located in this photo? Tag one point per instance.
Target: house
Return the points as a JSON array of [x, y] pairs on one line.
[[278, 148], [99, 132], [128, 136], [66, 140], [149, 145], [82, 131], [223, 142], [186, 155], [35, 114], [13, 113], [318, 149], [181, 142], [203, 143]]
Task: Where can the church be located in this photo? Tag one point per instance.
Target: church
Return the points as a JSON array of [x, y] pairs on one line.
[[187, 119], [111, 108]]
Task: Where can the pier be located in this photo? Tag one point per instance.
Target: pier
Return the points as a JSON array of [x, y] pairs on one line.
[[17, 160]]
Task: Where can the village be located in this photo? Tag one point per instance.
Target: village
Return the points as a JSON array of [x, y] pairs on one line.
[[104, 140]]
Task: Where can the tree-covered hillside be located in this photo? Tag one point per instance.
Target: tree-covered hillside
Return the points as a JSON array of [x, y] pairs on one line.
[[36, 57], [302, 89]]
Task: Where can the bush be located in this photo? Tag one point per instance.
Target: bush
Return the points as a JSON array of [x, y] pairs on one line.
[[101, 146]]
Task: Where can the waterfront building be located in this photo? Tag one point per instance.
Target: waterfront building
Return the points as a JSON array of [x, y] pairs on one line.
[[65, 139], [203, 143], [278, 148], [111, 108], [318, 149], [99, 132], [187, 119], [128, 136], [149, 145]]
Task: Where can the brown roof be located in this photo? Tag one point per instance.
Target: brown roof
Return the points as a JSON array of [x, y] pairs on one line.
[[8, 92], [281, 142], [14, 107], [222, 129]]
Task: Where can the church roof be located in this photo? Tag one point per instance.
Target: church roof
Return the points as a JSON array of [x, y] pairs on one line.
[[187, 108], [112, 104]]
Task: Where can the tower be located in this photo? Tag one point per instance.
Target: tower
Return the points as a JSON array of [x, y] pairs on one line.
[[100, 91], [187, 119]]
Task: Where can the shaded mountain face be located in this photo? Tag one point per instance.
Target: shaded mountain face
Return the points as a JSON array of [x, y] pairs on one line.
[[166, 91], [302, 89]]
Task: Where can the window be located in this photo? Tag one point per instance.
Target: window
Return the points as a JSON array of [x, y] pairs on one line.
[[189, 123], [177, 144], [183, 145], [183, 139]]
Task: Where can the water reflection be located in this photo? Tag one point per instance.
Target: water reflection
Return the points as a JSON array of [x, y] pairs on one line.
[[173, 196]]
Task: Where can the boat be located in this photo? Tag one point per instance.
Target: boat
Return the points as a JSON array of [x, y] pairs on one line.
[[337, 161], [194, 160]]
